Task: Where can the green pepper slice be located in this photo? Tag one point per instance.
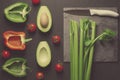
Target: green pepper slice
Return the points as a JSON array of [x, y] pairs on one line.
[[17, 12], [16, 67]]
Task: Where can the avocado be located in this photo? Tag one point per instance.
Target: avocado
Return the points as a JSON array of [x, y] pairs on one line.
[[44, 19], [43, 54]]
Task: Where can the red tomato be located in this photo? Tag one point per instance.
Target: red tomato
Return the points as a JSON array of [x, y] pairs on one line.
[[31, 27], [39, 75], [5, 54], [59, 67], [36, 2], [56, 39]]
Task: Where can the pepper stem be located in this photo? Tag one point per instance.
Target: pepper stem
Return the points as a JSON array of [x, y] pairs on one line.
[[27, 40], [29, 68]]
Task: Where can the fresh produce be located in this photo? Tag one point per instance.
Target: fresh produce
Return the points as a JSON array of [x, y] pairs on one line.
[[39, 75], [43, 54], [74, 49], [36, 2], [16, 67], [6, 54], [82, 50], [44, 19], [56, 39], [17, 12], [31, 27], [105, 36], [15, 40], [59, 67]]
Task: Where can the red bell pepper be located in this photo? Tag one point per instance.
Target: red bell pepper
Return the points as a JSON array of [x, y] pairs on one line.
[[15, 40]]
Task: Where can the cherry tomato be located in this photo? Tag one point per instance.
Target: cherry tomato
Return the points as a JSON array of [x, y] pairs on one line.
[[56, 39], [36, 2], [31, 27], [5, 54], [59, 67], [39, 75]]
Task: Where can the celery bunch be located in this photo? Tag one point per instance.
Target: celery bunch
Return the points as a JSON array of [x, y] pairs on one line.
[[82, 40]]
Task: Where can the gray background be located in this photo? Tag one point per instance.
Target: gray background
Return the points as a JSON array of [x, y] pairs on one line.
[[100, 71]]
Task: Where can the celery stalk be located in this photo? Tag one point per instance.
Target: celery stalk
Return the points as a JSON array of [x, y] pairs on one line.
[[81, 59], [74, 50], [75, 53], [90, 60], [81, 50], [71, 51]]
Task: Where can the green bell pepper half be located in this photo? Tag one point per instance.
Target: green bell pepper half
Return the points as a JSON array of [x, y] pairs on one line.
[[17, 12], [16, 67]]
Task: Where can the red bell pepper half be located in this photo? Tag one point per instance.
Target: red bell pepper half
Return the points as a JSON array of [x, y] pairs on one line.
[[15, 40]]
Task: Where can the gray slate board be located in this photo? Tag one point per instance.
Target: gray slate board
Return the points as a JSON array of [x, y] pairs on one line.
[[104, 52]]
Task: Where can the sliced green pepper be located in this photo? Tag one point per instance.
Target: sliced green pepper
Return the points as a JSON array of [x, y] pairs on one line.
[[17, 12], [16, 67]]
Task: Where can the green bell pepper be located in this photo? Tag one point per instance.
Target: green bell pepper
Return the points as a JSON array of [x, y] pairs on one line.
[[16, 67], [17, 12]]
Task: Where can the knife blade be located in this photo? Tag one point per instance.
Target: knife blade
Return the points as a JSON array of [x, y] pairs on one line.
[[92, 12], [78, 12]]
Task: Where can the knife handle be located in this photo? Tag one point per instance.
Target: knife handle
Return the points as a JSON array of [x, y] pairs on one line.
[[103, 13]]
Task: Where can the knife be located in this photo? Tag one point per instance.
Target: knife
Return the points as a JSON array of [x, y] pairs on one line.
[[92, 12]]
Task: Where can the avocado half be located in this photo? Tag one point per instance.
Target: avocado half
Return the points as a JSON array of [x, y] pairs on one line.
[[43, 54], [44, 9]]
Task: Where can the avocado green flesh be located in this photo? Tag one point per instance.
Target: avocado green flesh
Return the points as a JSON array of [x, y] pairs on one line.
[[43, 54], [44, 9]]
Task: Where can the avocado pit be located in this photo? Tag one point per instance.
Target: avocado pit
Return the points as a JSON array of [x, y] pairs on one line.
[[44, 21]]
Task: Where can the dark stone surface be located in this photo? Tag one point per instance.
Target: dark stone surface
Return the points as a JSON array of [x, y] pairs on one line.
[[101, 71]]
